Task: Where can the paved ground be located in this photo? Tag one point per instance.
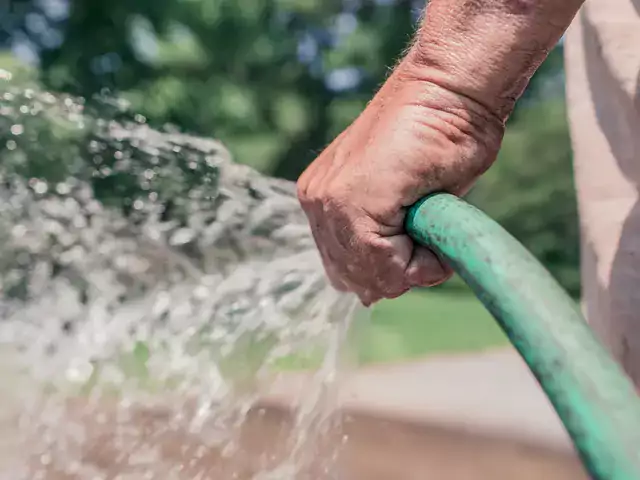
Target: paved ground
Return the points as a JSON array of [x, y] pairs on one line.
[[450, 418], [362, 447], [491, 393]]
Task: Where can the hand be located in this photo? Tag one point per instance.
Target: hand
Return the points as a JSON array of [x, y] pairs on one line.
[[413, 139]]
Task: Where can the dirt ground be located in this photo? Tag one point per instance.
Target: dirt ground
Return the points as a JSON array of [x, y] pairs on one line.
[[358, 447]]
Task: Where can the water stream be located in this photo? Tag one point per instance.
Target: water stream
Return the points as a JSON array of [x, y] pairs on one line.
[[151, 289]]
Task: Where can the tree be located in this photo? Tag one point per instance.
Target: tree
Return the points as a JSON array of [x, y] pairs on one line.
[[275, 80]]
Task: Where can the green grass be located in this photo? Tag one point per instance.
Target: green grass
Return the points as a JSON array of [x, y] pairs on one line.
[[420, 323], [425, 322]]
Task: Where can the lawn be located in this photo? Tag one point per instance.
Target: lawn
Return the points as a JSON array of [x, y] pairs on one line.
[[425, 322], [420, 323]]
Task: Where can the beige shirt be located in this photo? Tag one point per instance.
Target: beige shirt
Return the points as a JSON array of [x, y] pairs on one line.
[[603, 87]]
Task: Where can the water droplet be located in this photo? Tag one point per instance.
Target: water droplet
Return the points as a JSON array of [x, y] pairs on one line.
[[182, 236], [40, 187], [17, 129], [79, 222], [63, 188], [79, 371], [19, 231]]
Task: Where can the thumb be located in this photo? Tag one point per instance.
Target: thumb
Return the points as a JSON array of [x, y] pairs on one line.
[[425, 269]]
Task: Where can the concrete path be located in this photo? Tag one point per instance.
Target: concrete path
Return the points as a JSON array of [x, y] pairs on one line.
[[491, 393]]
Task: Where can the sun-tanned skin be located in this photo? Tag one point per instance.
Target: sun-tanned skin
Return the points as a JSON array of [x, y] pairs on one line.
[[435, 125]]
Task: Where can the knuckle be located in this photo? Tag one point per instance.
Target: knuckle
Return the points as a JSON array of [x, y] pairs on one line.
[[443, 277], [308, 197], [302, 190], [398, 292], [432, 278], [390, 286]]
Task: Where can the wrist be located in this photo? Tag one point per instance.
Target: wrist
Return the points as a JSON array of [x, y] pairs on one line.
[[482, 92], [412, 84], [453, 127], [488, 52], [488, 86]]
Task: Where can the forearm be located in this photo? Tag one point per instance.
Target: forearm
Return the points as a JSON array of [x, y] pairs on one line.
[[487, 50]]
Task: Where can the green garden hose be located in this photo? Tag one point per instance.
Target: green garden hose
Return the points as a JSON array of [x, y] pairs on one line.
[[594, 399]]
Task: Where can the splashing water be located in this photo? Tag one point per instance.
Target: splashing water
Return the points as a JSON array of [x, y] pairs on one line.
[[150, 288]]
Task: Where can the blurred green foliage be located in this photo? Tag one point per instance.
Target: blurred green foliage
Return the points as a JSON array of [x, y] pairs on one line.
[[256, 74], [277, 80], [530, 189]]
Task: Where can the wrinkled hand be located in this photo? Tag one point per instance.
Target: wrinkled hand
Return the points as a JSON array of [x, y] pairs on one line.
[[413, 139]]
